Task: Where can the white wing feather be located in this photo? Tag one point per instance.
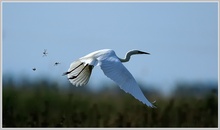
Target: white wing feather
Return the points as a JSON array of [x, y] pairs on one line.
[[115, 70], [83, 77]]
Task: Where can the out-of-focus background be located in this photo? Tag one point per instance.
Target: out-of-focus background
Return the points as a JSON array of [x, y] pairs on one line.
[[181, 73]]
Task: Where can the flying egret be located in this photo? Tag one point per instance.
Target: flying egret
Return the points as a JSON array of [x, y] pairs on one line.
[[80, 71]]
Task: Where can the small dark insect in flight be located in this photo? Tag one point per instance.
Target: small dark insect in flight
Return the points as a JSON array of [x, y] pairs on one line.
[[57, 63], [34, 69], [45, 52]]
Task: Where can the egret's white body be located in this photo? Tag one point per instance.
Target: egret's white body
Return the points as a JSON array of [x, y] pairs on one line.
[[80, 71]]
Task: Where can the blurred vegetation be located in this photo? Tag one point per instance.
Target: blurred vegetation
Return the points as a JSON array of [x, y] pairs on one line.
[[47, 104]]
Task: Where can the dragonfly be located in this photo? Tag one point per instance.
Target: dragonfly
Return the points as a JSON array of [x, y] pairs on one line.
[[56, 63], [45, 52]]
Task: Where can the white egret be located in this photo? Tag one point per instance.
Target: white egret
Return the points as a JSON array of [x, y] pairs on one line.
[[80, 71]]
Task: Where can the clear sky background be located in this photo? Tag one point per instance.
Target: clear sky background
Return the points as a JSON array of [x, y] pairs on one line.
[[181, 37]]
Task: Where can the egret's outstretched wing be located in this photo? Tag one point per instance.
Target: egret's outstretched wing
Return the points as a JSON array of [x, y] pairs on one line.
[[79, 73], [115, 70]]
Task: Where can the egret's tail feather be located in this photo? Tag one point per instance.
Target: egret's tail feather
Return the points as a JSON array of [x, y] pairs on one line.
[[79, 73]]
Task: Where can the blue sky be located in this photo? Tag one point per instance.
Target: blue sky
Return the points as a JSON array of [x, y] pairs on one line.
[[181, 37]]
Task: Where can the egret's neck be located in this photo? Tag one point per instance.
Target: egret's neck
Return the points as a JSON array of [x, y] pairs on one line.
[[127, 57]]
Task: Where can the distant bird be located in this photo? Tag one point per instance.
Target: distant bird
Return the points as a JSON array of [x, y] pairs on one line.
[[80, 71], [45, 52], [33, 69], [56, 63]]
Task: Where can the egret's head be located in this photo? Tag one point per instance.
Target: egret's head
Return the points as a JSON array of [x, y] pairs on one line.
[[132, 52], [139, 52]]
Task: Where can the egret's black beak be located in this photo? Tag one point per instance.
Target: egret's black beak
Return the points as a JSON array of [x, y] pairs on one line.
[[141, 52]]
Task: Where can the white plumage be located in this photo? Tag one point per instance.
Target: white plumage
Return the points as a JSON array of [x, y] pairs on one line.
[[80, 71]]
